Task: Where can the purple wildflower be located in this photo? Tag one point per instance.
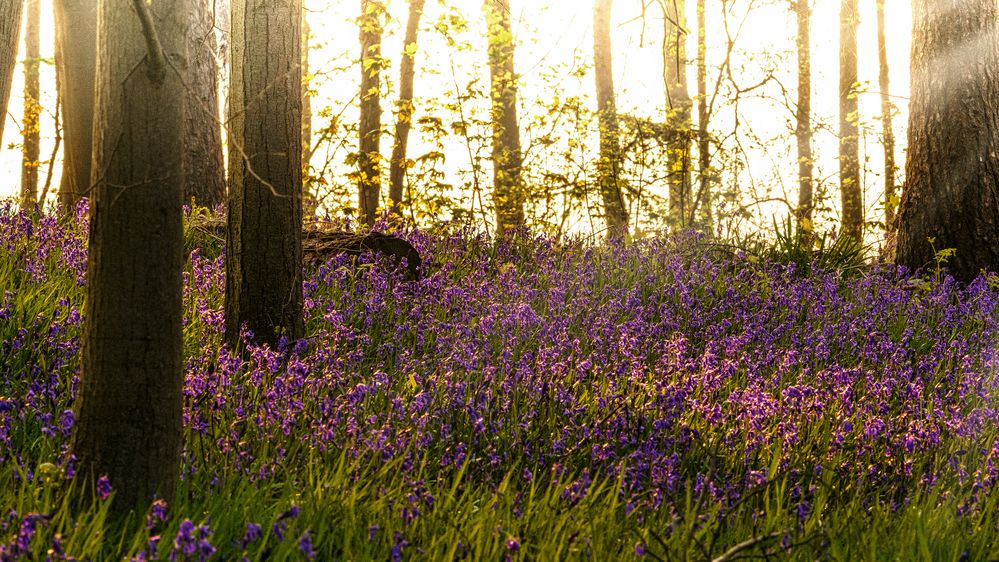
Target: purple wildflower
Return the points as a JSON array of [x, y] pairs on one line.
[[103, 487], [305, 545]]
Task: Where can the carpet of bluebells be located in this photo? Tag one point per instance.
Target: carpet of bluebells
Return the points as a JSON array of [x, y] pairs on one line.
[[529, 400]]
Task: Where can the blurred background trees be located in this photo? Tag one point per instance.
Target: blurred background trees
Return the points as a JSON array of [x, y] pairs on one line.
[[633, 116]]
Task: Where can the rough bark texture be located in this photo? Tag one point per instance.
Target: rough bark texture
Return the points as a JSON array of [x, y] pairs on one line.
[[508, 189], [678, 112], [370, 126], [609, 163], [803, 115], [76, 57], [887, 133], [32, 109], [404, 107], [851, 198], [264, 242], [205, 184], [130, 402], [703, 200], [952, 167], [10, 32]]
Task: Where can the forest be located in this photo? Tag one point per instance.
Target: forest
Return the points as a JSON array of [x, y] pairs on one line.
[[499, 280]]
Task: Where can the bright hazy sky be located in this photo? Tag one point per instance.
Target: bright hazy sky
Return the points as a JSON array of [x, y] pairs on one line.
[[554, 34]]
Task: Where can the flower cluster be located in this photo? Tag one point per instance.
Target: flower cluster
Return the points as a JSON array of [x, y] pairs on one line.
[[654, 366]]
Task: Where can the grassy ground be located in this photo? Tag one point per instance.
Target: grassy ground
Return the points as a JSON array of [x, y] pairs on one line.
[[532, 401]]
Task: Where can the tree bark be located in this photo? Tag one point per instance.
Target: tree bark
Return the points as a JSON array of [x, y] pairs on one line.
[[508, 189], [10, 32], [951, 197], [205, 185], [609, 163], [704, 196], [887, 133], [404, 108], [130, 401], [76, 59], [264, 242], [32, 109], [851, 197], [370, 126], [803, 116], [678, 112]]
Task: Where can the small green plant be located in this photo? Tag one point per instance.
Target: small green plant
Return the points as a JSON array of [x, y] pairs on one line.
[[940, 259], [799, 245]]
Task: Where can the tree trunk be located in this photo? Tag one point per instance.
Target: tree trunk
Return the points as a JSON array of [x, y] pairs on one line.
[[609, 163], [888, 134], [32, 109], [264, 238], [508, 189], [704, 199], [10, 32], [370, 126], [404, 113], [849, 140], [678, 112], [130, 401], [205, 173], [951, 197], [76, 58], [803, 116]]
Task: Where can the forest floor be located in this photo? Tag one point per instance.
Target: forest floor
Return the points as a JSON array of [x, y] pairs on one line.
[[531, 400]]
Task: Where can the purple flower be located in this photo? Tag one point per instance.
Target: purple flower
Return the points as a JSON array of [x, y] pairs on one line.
[[157, 513], [66, 421], [512, 544], [305, 545], [185, 541], [29, 524], [278, 529], [252, 533], [103, 487]]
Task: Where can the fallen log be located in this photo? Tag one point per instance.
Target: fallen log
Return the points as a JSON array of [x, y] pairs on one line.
[[318, 246]]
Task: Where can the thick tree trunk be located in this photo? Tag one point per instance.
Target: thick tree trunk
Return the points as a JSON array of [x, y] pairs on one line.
[[609, 163], [887, 133], [32, 109], [264, 241], [370, 126], [508, 189], [10, 32], [205, 185], [678, 113], [704, 196], [404, 107], [130, 401], [76, 57], [803, 115], [852, 201], [951, 197]]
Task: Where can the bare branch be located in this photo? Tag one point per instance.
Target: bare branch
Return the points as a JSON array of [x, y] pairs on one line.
[[157, 61]]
